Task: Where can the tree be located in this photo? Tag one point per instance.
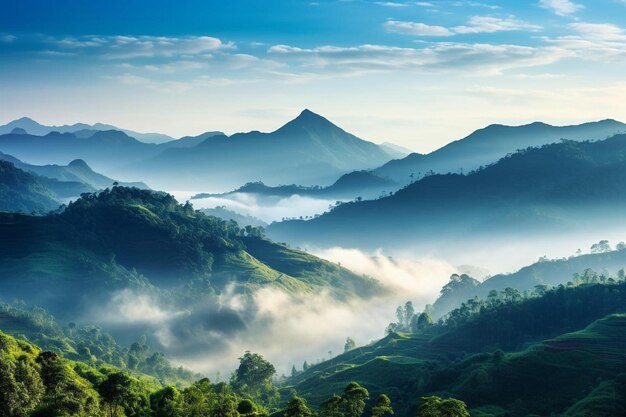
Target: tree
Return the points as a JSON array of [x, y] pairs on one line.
[[331, 407], [21, 388], [620, 246], [382, 406], [424, 321], [294, 371], [305, 366], [438, 407], [297, 407], [409, 312], [601, 247], [350, 344], [246, 407], [166, 402], [253, 371], [120, 393], [353, 400]]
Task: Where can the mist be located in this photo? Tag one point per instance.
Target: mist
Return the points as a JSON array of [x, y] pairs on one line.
[[268, 209], [211, 335]]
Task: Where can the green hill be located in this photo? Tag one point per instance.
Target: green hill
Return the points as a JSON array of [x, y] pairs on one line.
[[496, 356], [131, 238], [24, 192]]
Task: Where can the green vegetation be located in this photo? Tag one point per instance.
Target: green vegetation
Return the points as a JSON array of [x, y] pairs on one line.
[[512, 353], [139, 239], [88, 344], [24, 192]]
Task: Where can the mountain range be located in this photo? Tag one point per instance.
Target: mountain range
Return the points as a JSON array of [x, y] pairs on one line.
[[26, 125], [559, 187], [309, 150], [486, 146]]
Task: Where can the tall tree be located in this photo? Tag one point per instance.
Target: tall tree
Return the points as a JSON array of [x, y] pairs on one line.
[[350, 344], [382, 406], [438, 407], [297, 407]]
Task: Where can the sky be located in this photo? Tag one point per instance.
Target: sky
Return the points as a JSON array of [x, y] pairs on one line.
[[416, 73]]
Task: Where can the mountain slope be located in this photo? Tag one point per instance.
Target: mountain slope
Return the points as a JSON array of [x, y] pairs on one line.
[[465, 359], [308, 150], [486, 146], [24, 192], [76, 171], [139, 239], [564, 186], [546, 272]]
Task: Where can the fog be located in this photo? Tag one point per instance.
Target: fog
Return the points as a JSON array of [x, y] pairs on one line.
[[210, 335], [265, 208]]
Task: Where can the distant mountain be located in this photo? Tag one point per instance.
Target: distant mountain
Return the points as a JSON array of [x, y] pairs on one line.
[[308, 150], [75, 171], [486, 146], [560, 187], [28, 125], [551, 272], [24, 192], [354, 185], [394, 150], [104, 150]]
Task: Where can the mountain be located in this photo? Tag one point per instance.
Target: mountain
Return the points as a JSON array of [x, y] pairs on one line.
[[394, 150], [354, 185], [547, 272], [308, 150], [76, 171], [24, 192], [502, 357], [29, 126], [486, 146], [104, 150], [566, 187], [144, 240]]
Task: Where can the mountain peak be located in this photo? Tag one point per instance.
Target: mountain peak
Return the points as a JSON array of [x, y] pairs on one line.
[[309, 119], [79, 163]]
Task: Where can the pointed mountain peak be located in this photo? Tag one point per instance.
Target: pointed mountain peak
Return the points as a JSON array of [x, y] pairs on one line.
[[310, 120]]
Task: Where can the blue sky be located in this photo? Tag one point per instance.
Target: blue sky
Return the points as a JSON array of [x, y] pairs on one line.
[[417, 73]]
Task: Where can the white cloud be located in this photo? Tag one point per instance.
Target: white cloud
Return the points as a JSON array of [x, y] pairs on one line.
[[489, 24], [415, 28], [390, 4], [593, 41], [561, 7], [118, 47], [7, 38], [476, 24], [484, 59]]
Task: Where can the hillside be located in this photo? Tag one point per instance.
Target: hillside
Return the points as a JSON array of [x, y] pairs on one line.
[[559, 187], [76, 171], [497, 358], [486, 146], [308, 150], [546, 272], [131, 238], [24, 192]]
